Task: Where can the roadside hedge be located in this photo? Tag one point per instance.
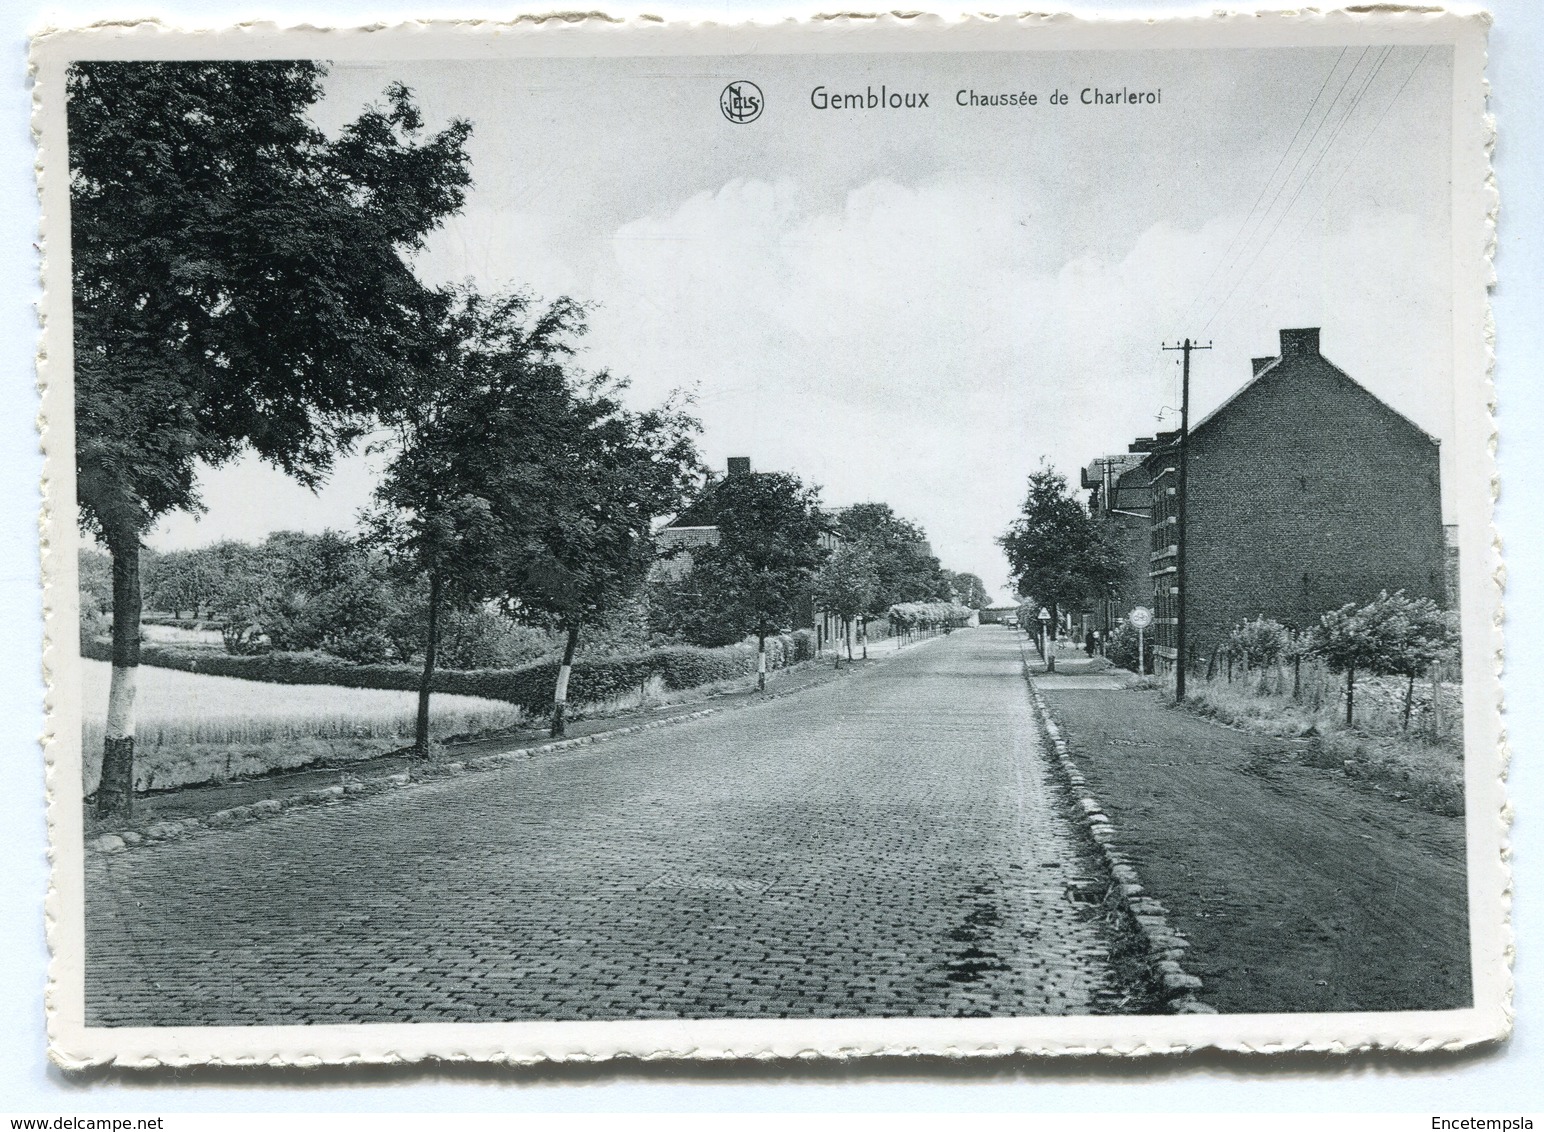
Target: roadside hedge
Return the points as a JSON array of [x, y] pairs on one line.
[[529, 687]]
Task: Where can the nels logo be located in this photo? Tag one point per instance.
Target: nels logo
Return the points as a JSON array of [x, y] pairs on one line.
[[741, 102]]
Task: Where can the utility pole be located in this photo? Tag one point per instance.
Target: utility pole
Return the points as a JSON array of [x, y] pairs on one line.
[[1179, 509]]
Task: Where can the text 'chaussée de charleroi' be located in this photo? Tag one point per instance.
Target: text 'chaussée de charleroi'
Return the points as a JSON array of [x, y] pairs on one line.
[[823, 98]]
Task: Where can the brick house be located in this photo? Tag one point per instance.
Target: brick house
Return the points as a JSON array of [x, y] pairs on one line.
[[1304, 492], [1120, 497]]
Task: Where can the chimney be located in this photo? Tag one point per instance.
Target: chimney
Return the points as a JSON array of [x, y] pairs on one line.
[[1261, 363], [739, 465], [1303, 343]]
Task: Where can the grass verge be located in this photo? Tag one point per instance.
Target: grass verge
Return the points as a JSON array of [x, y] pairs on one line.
[[1409, 765]]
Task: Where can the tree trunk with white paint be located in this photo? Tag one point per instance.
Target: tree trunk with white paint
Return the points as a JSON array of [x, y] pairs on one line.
[[115, 791], [761, 662], [560, 694], [431, 649]]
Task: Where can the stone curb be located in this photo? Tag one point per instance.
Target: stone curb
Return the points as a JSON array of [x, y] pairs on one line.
[[1166, 947], [331, 795]]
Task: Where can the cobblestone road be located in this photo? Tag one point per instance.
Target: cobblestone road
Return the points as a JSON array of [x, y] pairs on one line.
[[885, 844]]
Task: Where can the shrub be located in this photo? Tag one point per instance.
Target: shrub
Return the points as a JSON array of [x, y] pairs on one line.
[[909, 616], [483, 638], [1259, 643], [1121, 648], [529, 687], [1394, 635]]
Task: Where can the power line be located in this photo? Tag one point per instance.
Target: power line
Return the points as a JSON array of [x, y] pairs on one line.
[[1296, 164], [1281, 188], [1228, 252], [1307, 177], [1346, 168]]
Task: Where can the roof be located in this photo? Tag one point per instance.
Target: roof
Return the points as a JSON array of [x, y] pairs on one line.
[[1117, 466], [1275, 363]]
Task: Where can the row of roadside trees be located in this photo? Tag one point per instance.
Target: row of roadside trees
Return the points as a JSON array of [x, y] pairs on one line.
[[777, 547], [1392, 635], [243, 282]]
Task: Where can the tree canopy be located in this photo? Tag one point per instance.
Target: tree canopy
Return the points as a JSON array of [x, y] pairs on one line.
[[1393, 635], [847, 583], [906, 568], [1057, 553], [968, 589], [240, 280], [769, 547], [477, 435]]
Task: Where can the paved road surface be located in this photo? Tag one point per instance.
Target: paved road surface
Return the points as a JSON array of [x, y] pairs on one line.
[[885, 844]]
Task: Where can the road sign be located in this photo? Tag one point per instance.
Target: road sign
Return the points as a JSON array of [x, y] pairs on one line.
[[1140, 618], [1045, 614]]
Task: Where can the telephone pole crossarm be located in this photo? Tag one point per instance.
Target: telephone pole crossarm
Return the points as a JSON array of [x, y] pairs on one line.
[[1181, 583]]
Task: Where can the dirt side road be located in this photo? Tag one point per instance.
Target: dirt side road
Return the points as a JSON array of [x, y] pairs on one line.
[[1298, 892]]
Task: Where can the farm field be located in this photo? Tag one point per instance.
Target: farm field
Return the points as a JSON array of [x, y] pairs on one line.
[[193, 728]]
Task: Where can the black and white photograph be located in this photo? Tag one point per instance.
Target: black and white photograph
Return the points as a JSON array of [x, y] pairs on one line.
[[575, 538]]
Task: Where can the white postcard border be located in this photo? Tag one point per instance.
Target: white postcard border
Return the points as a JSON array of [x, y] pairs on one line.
[[73, 1044]]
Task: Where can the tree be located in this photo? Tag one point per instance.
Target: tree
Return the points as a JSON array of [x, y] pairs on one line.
[[1260, 643], [768, 551], [615, 472], [1393, 635], [96, 594], [240, 281], [906, 567], [244, 579], [476, 438], [968, 590], [325, 592], [182, 580], [846, 586], [1056, 551]]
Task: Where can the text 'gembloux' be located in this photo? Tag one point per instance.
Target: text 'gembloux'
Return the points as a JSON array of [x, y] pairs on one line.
[[868, 99]]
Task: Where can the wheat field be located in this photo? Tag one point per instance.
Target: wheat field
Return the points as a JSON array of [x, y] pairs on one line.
[[192, 728]]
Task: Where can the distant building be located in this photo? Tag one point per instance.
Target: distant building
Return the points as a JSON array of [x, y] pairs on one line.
[[1003, 614], [1305, 492]]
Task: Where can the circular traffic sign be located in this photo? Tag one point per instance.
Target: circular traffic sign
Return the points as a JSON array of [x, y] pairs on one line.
[[1141, 617]]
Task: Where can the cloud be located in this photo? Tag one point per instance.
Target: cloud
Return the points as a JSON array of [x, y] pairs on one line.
[[925, 344], [914, 345]]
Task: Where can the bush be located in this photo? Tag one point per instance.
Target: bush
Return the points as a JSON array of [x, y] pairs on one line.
[[908, 616], [1120, 648], [1259, 643], [529, 688], [482, 638]]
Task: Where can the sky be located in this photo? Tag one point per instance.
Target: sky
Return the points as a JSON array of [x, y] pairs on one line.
[[918, 306]]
